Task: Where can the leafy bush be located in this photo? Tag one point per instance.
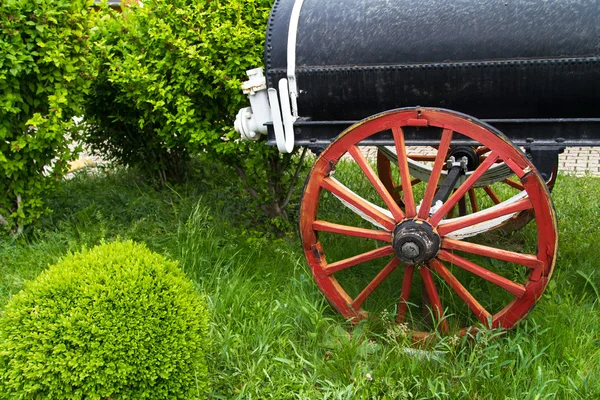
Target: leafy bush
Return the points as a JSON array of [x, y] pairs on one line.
[[45, 72], [170, 86], [117, 321]]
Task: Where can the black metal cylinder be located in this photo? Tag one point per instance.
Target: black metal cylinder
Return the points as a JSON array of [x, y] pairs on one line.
[[486, 58]]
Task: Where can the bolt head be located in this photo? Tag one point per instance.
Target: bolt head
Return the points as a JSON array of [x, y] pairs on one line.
[[410, 250]]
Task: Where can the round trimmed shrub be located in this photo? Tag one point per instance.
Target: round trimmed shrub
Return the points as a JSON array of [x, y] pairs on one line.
[[114, 322]]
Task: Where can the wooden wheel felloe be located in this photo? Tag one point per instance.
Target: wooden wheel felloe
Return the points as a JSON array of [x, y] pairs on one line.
[[372, 250]]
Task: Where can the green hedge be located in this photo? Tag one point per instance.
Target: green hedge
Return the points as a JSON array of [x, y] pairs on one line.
[[170, 82], [45, 73], [170, 87], [117, 322]]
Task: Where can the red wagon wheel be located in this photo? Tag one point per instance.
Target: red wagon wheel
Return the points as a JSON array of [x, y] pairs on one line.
[[429, 262]]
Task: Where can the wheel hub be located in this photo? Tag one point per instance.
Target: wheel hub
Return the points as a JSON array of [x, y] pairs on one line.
[[415, 242], [458, 152]]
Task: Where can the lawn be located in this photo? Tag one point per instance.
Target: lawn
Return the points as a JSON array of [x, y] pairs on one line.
[[274, 335]]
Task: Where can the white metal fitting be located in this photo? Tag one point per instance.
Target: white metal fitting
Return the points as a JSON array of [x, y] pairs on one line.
[[245, 124], [250, 121], [255, 83], [462, 163]]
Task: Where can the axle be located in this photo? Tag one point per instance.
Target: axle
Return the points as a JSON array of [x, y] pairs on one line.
[[455, 171]]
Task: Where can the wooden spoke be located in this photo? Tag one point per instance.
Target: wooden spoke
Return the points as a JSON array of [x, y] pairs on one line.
[[359, 259], [506, 284], [462, 190], [482, 216], [514, 184], [492, 195], [422, 158], [482, 150], [344, 193], [434, 297], [405, 181], [480, 312], [379, 187], [325, 226], [409, 271], [483, 158], [514, 167], [440, 161], [398, 188], [384, 171], [360, 299], [462, 207], [473, 200], [527, 260]]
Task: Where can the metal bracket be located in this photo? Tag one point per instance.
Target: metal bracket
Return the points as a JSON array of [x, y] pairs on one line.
[[283, 121], [284, 104], [545, 158], [462, 163]]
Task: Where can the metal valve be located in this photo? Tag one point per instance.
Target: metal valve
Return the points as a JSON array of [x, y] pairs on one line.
[[250, 121]]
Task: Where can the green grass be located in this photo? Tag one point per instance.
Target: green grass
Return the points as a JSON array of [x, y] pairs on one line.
[[275, 336]]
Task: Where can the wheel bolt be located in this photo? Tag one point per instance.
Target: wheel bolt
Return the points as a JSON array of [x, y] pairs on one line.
[[410, 250]]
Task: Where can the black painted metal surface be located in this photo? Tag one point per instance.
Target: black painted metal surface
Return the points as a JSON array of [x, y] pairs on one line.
[[522, 132], [508, 59]]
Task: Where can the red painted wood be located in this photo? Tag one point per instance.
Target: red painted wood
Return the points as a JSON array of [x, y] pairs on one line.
[[473, 200], [527, 260], [310, 204], [325, 226], [409, 271], [358, 202], [545, 219], [461, 191], [514, 167], [358, 259], [440, 161], [482, 150], [360, 299], [490, 192], [409, 201], [514, 184], [547, 234], [398, 188], [480, 312], [483, 158], [417, 122], [506, 284], [379, 187], [422, 158], [462, 207], [482, 216], [385, 175], [434, 297]]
